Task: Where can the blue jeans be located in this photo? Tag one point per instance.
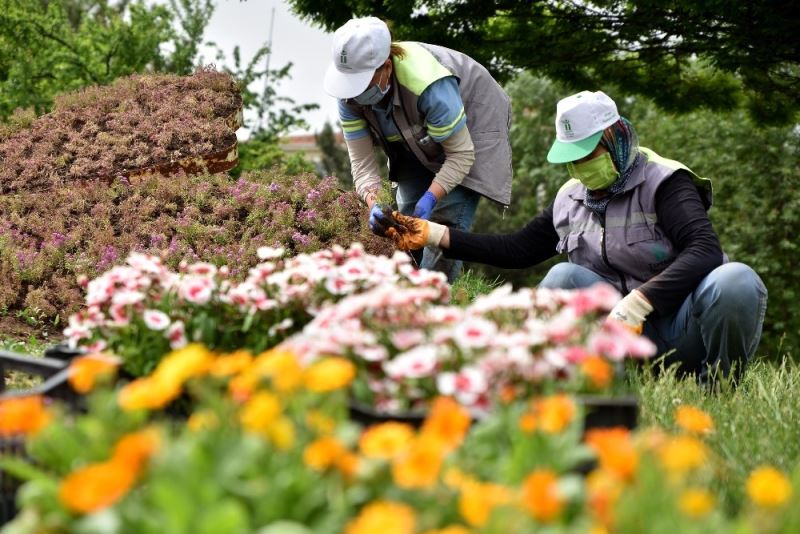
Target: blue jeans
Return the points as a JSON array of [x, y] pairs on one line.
[[717, 327], [456, 209]]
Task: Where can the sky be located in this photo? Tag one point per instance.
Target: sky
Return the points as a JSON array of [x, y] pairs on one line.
[[247, 24]]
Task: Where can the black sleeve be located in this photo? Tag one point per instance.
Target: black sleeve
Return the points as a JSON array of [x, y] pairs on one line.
[[535, 243], [684, 221]]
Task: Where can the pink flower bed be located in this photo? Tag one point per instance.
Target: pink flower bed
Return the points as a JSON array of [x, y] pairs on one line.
[[411, 347], [143, 309]]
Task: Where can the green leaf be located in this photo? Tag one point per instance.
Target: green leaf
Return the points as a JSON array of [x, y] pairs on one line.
[[227, 516], [284, 527]]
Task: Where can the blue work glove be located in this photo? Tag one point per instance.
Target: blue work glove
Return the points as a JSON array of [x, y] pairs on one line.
[[425, 206], [377, 222]]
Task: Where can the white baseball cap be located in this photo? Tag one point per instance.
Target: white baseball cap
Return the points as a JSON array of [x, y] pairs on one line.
[[580, 121], [359, 48]]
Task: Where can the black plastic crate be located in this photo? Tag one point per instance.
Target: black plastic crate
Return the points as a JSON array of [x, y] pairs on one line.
[[55, 373]]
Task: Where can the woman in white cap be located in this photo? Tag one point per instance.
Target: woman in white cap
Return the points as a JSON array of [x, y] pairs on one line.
[[438, 115], [635, 220]]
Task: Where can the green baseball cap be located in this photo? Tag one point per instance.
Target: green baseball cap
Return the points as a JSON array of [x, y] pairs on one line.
[[580, 121]]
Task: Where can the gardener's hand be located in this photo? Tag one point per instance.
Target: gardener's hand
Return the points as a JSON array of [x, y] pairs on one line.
[[425, 206], [377, 222], [632, 311], [415, 233]]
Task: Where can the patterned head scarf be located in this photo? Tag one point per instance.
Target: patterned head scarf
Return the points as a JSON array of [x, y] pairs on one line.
[[622, 143]]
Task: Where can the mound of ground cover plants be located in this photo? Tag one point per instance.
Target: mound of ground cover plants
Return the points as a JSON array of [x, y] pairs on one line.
[[283, 457], [141, 310], [49, 240], [139, 122]]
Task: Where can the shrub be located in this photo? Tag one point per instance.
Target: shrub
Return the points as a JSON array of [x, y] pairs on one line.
[[49, 239], [135, 123]]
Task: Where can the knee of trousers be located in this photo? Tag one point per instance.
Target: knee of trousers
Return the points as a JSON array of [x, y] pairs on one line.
[[734, 286], [560, 276]]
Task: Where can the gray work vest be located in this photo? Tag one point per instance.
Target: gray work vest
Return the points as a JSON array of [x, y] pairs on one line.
[[486, 104], [626, 247]]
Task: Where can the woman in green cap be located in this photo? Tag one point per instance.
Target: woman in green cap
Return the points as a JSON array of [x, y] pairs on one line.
[[635, 220]]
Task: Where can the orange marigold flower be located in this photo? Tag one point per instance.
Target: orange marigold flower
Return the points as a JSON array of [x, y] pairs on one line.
[[768, 487], [447, 422], [696, 502], [242, 386], [23, 415], [384, 517], [96, 486], [230, 364], [347, 464], [323, 453], [615, 450], [148, 393], [541, 496], [281, 367], [478, 500], [603, 489], [682, 453], [136, 448], [260, 412], [85, 371], [419, 465], [693, 420], [598, 371], [386, 440], [549, 414], [329, 374]]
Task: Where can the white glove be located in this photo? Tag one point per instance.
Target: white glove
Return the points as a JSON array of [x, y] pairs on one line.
[[632, 310], [435, 233]]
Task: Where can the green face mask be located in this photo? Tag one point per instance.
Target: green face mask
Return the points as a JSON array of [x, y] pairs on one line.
[[597, 173]]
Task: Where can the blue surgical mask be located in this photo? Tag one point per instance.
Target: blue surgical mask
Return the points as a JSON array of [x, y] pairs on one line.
[[372, 95]]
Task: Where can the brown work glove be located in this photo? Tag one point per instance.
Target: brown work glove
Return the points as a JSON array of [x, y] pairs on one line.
[[413, 233]]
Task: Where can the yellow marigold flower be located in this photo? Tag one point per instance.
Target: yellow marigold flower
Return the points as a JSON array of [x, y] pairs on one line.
[[23, 415], [693, 420], [180, 365], [477, 500], [386, 440], [85, 371], [383, 517], [202, 420], [455, 478], [148, 393], [329, 374], [323, 453], [615, 450], [452, 529], [541, 497], [598, 371], [282, 433], [682, 453], [96, 486], [447, 423], [320, 423], [768, 487], [230, 364], [136, 448], [696, 502], [603, 489], [419, 465], [260, 412], [281, 367]]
